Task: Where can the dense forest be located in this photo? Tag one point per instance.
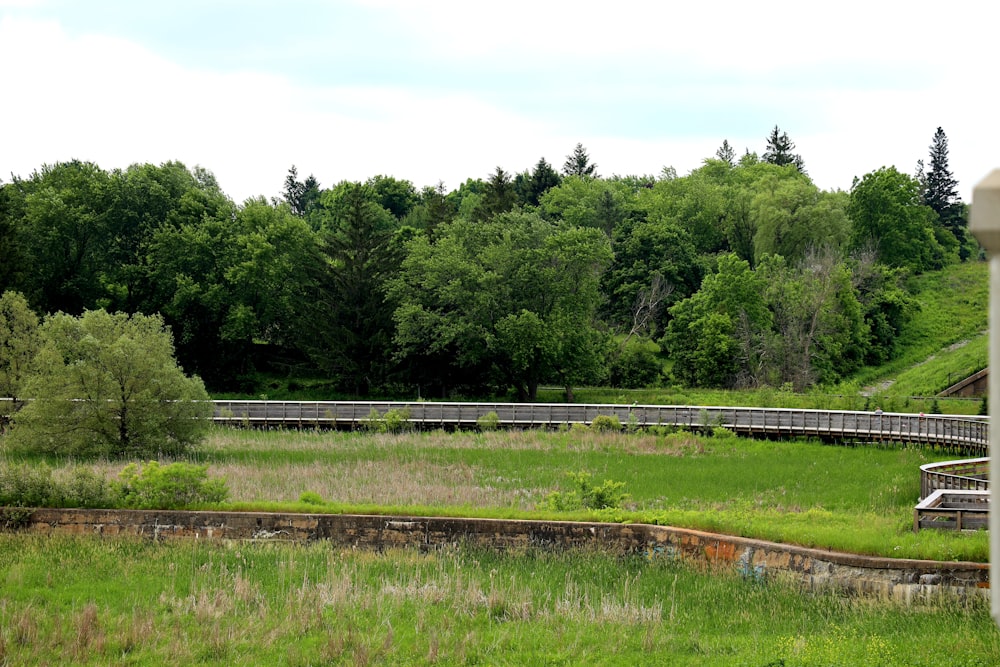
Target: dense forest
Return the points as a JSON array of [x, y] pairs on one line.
[[742, 273]]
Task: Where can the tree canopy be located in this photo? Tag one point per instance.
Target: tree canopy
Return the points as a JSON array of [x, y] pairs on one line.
[[741, 272], [108, 385]]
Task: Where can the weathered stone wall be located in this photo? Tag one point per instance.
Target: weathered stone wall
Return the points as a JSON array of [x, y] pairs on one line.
[[813, 568]]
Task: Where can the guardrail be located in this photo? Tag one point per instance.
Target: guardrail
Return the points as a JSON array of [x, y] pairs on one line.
[[964, 475], [964, 434], [953, 510]]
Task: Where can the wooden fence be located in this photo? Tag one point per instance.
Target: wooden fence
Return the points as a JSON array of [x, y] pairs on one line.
[[964, 434]]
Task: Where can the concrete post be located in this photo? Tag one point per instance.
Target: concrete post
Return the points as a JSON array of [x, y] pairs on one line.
[[984, 223]]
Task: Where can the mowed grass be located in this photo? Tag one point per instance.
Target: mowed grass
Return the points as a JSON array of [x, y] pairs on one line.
[[88, 601], [858, 499]]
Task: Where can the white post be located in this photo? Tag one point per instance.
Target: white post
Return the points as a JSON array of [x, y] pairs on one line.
[[984, 223]]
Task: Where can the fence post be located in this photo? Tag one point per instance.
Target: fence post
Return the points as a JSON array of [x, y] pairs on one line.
[[984, 223]]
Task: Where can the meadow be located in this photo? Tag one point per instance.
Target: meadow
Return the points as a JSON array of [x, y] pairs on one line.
[[90, 601], [87, 601], [858, 499]]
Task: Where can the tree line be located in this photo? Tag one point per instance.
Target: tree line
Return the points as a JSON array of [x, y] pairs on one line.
[[741, 273]]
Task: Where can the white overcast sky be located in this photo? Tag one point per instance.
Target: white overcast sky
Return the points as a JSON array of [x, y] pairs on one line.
[[447, 90]]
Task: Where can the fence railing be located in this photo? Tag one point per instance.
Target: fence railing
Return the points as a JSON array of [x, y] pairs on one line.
[[964, 475], [964, 434]]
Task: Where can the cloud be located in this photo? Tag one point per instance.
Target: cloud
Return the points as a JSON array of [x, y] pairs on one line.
[[432, 91]]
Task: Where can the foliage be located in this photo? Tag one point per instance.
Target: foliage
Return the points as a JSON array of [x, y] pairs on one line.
[[890, 219], [718, 336], [19, 342], [28, 485], [108, 385], [941, 192], [609, 495], [606, 424], [311, 498], [511, 299], [578, 163], [394, 420], [635, 364], [174, 486], [488, 422], [779, 150], [306, 284]]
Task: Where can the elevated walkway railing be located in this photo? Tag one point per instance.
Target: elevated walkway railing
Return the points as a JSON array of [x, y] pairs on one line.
[[964, 434]]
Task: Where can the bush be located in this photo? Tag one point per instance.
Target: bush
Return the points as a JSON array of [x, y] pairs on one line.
[[604, 423], [393, 421], [174, 486], [26, 486], [36, 486], [311, 498], [488, 422], [636, 366], [609, 495]]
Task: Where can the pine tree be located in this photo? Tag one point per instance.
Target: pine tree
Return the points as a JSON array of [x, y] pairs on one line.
[[542, 178], [941, 188], [726, 153], [578, 163], [779, 150], [300, 196]]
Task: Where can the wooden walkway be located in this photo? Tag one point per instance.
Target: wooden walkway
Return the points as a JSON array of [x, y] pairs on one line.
[[954, 494], [963, 434]]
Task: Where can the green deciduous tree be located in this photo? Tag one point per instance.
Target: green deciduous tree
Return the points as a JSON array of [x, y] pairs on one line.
[[889, 219], [510, 300], [108, 385], [62, 235], [719, 336], [19, 342], [792, 218]]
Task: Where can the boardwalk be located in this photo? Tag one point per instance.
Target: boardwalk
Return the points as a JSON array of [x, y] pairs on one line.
[[963, 434]]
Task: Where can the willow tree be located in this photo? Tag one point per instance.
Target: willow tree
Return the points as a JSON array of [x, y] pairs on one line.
[[108, 385]]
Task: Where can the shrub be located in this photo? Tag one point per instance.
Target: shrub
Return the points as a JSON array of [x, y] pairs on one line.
[[26, 486], [37, 486], [311, 498], [174, 486], [604, 423], [397, 421], [489, 422], [636, 366], [609, 495], [393, 421]]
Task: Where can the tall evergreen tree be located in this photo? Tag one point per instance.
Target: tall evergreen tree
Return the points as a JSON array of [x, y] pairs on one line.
[[500, 195], [578, 163], [779, 150], [542, 178], [726, 153], [301, 196], [941, 189]]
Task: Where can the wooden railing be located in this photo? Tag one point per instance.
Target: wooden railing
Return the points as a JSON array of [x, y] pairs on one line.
[[964, 475], [964, 434]]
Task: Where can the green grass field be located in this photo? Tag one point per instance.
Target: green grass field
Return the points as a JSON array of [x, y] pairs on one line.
[[857, 499], [88, 601]]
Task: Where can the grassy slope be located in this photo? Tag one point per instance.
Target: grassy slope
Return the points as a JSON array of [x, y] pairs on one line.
[[945, 339]]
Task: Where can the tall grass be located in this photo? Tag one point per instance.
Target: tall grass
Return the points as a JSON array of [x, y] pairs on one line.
[[857, 499], [88, 601]]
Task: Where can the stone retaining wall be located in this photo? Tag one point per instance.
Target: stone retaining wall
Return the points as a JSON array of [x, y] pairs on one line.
[[813, 568]]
